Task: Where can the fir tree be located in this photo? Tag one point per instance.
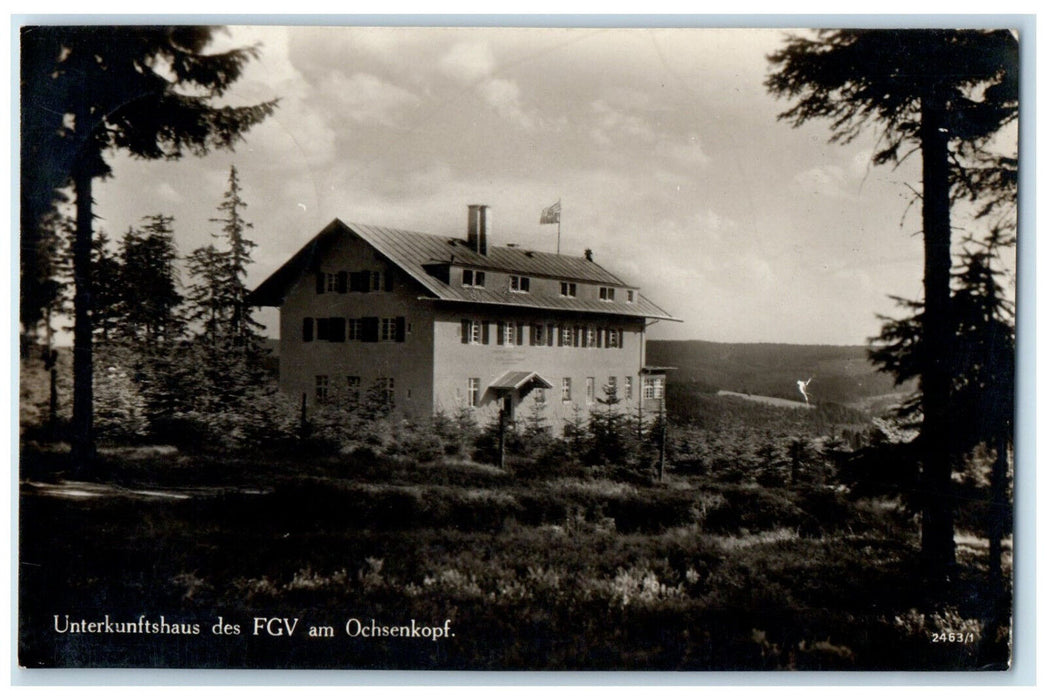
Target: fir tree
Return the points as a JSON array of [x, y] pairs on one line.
[[88, 91]]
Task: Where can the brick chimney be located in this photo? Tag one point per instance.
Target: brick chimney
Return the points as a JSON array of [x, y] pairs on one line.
[[478, 228]]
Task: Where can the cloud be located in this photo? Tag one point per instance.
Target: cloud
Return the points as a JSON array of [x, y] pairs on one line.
[[826, 181], [468, 61], [366, 98], [688, 152]]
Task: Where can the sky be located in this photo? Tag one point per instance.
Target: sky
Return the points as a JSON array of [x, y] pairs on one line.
[[663, 146]]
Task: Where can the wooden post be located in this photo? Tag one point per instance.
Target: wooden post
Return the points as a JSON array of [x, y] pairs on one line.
[[501, 433], [661, 447]]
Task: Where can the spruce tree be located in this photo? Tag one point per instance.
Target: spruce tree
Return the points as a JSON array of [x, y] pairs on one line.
[[945, 94], [87, 91]]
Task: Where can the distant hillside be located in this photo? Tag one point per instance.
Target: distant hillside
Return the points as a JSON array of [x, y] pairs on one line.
[[842, 373]]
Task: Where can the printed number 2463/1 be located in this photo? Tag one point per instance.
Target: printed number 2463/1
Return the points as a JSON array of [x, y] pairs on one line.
[[954, 637]]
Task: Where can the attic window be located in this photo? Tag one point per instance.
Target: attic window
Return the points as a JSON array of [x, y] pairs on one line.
[[629, 296], [606, 293], [519, 284], [473, 278], [568, 289]]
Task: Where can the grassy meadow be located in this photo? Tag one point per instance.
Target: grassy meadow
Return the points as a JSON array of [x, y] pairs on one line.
[[576, 570]]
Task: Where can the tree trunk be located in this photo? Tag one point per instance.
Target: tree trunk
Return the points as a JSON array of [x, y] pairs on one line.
[[82, 438], [938, 546]]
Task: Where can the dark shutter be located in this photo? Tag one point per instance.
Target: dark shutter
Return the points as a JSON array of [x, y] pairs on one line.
[[599, 337], [550, 332], [401, 329], [337, 330], [321, 282], [534, 335], [487, 333], [621, 339], [585, 336], [343, 282], [559, 336], [370, 329], [501, 332], [519, 333], [467, 328], [358, 281], [307, 330], [389, 280]]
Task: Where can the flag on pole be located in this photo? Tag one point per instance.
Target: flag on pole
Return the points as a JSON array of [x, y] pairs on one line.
[[551, 214]]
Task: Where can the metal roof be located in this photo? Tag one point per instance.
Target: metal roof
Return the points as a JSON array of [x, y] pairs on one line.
[[511, 381], [412, 252]]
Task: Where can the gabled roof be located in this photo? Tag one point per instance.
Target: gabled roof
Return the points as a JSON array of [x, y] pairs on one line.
[[412, 252], [511, 381]]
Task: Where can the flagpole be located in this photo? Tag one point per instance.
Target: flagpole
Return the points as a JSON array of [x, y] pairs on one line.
[[559, 215]]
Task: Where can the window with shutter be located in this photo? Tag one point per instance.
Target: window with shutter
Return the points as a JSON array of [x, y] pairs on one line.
[[358, 281], [337, 330], [323, 329], [370, 329]]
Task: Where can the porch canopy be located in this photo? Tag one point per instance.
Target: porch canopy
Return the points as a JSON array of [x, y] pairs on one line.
[[521, 381]]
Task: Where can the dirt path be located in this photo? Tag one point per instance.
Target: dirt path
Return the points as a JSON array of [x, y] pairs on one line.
[[89, 489]]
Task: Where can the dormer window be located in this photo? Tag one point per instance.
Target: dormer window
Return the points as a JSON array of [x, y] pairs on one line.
[[519, 284], [606, 293], [568, 289], [630, 296], [472, 278]]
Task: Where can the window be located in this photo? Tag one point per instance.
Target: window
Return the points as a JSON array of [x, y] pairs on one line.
[[376, 281], [508, 330], [628, 388], [612, 338], [321, 388], [612, 387], [474, 391], [606, 293], [388, 331], [566, 337], [332, 282], [352, 387], [630, 296], [653, 387], [519, 284], [590, 389], [386, 391], [590, 337], [356, 329], [565, 389], [539, 396], [568, 289], [537, 334], [471, 331], [472, 278]]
